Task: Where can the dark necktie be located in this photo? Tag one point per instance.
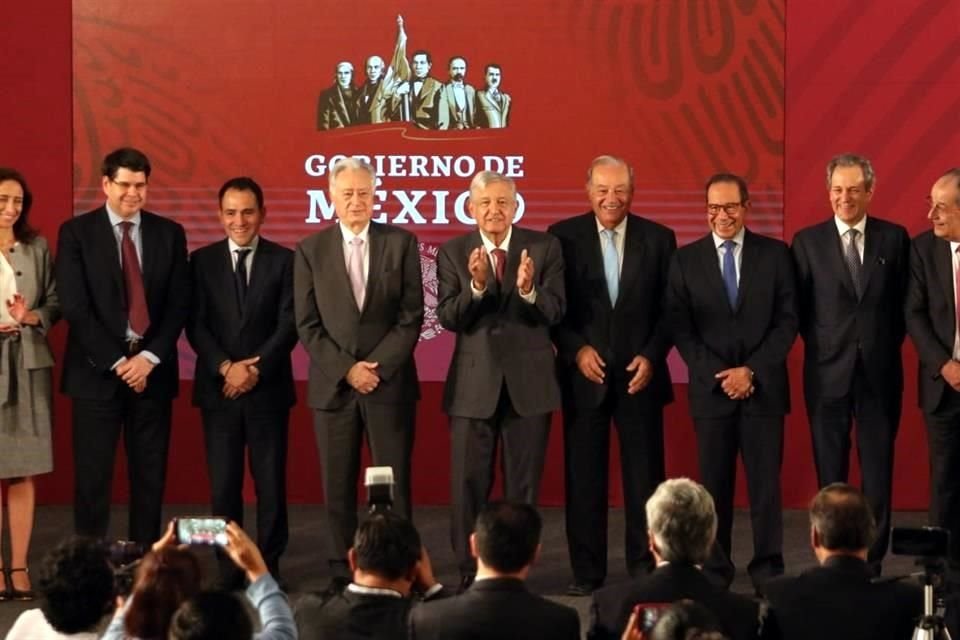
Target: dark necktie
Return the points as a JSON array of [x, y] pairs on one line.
[[240, 275], [852, 257], [499, 262], [730, 272], [137, 314]]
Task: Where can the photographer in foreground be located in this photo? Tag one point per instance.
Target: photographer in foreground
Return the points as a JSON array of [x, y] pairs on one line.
[[838, 599], [169, 576], [76, 592]]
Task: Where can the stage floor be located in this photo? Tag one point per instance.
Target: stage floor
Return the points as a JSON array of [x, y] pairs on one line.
[[304, 571]]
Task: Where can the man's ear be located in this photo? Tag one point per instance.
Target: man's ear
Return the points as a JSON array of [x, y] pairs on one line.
[[536, 554], [814, 537], [474, 551], [352, 559]]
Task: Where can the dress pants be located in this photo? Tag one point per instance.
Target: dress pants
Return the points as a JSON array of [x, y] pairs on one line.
[[759, 439], [97, 424], [261, 433], [473, 456], [943, 441], [389, 431], [877, 420], [586, 437]]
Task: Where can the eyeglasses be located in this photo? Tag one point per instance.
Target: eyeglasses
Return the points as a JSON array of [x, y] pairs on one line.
[[139, 186], [730, 208]]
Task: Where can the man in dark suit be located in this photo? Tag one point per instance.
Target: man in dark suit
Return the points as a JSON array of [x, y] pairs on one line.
[[501, 289], [371, 108], [242, 328], [391, 574], [612, 346], [837, 599], [358, 300], [422, 91], [124, 288], [683, 525], [337, 107], [851, 272], [932, 321], [732, 305], [498, 606]]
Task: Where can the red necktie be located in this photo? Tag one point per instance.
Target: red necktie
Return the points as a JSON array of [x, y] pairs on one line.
[[499, 262], [137, 313]]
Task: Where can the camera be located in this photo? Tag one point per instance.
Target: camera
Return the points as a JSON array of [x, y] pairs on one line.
[[379, 483], [930, 546], [125, 556]]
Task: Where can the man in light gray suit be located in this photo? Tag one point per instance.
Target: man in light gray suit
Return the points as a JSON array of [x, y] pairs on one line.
[[493, 105], [358, 302], [458, 100], [501, 289]]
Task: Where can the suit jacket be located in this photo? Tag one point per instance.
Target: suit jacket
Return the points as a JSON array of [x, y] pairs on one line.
[[35, 282], [837, 327], [425, 105], [758, 333], [740, 617], [93, 299], [219, 330], [931, 314], [335, 110], [337, 335], [500, 337], [492, 113], [449, 115], [635, 326], [371, 108], [498, 609], [838, 600]]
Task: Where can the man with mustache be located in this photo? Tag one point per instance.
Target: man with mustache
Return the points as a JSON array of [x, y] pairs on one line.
[[458, 101]]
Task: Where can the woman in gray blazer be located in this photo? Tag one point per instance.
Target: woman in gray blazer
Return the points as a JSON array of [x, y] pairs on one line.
[[28, 308]]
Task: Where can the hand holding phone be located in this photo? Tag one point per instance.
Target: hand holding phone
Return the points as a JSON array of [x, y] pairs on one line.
[[203, 530]]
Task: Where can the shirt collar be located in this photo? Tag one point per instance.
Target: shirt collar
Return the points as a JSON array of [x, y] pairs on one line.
[[252, 246], [718, 241], [349, 235], [116, 219], [621, 227], [953, 247], [372, 591], [843, 227], [505, 245]]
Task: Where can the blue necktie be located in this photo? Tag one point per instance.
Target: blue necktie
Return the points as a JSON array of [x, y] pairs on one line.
[[611, 265], [730, 272]]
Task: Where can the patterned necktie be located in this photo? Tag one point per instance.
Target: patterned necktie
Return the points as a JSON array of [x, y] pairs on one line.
[[499, 262], [355, 271], [730, 272], [611, 264], [240, 276], [137, 313], [852, 257]]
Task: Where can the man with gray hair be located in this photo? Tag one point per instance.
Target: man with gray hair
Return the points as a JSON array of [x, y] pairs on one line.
[[682, 527], [501, 289], [358, 302], [851, 278], [338, 104]]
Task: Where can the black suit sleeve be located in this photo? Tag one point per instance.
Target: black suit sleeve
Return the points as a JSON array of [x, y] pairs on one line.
[[804, 277], [161, 339], [394, 349], [773, 349], [660, 340], [209, 352], [101, 347], [933, 353]]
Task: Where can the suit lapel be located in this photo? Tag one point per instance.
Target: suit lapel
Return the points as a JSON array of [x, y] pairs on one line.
[[633, 249], [829, 238], [148, 254], [258, 272], [338, 266], [375, 254], [110, 255], [710, 268], [749, 259], [873, 241], [943, 262]]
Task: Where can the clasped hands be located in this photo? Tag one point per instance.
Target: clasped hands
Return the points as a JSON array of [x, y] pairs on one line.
[[363, 376], [17, 308], [737, 382], [239, 376], [593, 367], [478, 264]]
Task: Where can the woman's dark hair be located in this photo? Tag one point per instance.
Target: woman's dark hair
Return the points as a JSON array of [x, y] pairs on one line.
[[165, 579], [22, 230], [212, 615], [76, 585]]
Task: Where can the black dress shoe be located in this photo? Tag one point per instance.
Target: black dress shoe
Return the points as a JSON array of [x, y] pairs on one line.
[[582, 588], [465, 581]]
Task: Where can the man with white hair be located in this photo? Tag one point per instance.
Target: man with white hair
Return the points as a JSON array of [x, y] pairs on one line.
[[338, 104], [358, 302], [370, 107], [682, 525]]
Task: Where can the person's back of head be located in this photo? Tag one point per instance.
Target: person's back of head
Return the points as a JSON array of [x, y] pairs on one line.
[[687, 620], [76, 585], [212, 615], [386, 545], [682, 521], [165, 578], [507, 536], [841, 521]]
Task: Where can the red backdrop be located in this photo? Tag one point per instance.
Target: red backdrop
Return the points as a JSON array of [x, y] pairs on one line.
[[873, 78]]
